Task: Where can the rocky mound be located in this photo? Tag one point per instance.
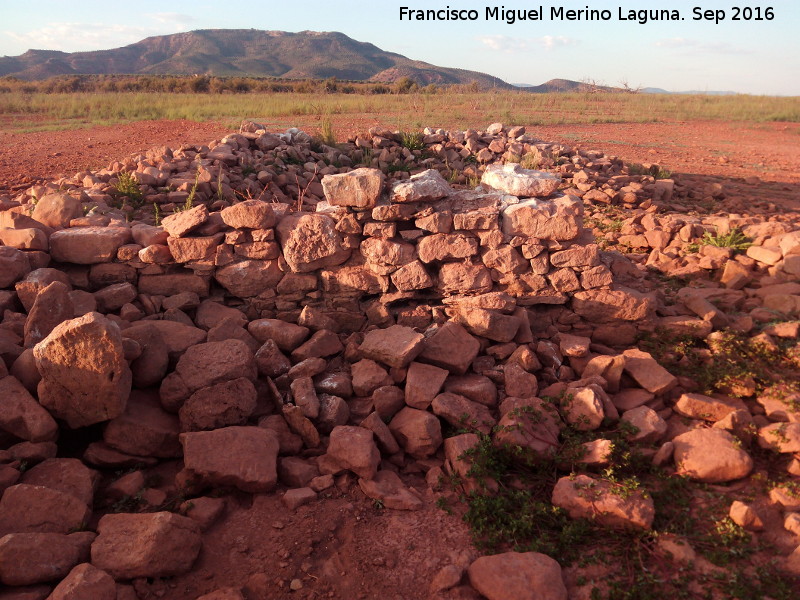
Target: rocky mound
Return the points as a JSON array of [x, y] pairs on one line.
[[268, 315]]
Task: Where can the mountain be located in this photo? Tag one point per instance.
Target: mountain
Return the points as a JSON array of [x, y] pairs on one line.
[[652, 90], [567, 85], [243, 52]]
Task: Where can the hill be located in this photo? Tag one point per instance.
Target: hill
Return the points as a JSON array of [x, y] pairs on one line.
[[567, 85], [244, 52], [652, 90]]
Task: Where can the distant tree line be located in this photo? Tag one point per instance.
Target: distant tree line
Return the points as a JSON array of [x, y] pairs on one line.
[[204, 84]]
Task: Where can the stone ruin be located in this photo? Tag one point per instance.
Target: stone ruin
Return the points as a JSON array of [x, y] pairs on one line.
[[269, 347]]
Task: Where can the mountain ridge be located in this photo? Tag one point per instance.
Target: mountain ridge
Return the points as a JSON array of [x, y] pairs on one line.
[[243, 52]]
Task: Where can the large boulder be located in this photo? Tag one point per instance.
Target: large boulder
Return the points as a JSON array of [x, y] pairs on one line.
[[422, 187], [31, 558], [450, 347], [213, 362], [605, 306], [159, 544], [354, 449], [248, 278], [395, 346], [243, 457], [518, 576], [88, 245], [358, 189], [22, 416], [558, 219], [37, 509], [310, 241], [711, 456], [57, 210], [605, 502], [85, 378], [250, 214], [86, 581], [14, 265]]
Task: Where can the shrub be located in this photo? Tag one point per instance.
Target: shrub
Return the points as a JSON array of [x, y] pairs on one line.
[[128, 187]]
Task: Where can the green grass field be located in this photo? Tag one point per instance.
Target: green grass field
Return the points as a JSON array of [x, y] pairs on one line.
[[21, 111]]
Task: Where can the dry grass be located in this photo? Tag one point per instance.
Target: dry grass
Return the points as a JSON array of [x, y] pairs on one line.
[[39, 111]]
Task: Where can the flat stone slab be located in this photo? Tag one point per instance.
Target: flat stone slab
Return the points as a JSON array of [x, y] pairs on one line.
[[395, 346], [427, 186], [88, 245], [512, 179]]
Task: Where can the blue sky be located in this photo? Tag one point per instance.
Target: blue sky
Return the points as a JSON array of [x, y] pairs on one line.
[[757, 57]]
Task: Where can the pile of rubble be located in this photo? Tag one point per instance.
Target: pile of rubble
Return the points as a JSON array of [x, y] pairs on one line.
[[387, 327]]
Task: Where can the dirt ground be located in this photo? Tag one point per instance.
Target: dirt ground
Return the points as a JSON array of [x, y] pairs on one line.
[[344, 546]]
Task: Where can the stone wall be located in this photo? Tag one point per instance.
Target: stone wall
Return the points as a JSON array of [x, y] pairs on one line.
[[412, 252]]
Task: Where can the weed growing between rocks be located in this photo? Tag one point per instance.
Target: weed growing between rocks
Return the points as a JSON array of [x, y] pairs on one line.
[[367, 154], [412, 140], [608, 220], [735, 239], [531, 160], [189, 203], [156, 214], [655, 171], [518, 514], [327, 135], [730, 362], [128, 188], [512, 511]]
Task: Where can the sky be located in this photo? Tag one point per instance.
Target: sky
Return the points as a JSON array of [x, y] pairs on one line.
[[746, 56]]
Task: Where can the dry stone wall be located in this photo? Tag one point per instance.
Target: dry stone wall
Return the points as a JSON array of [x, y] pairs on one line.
[[414, 252]]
